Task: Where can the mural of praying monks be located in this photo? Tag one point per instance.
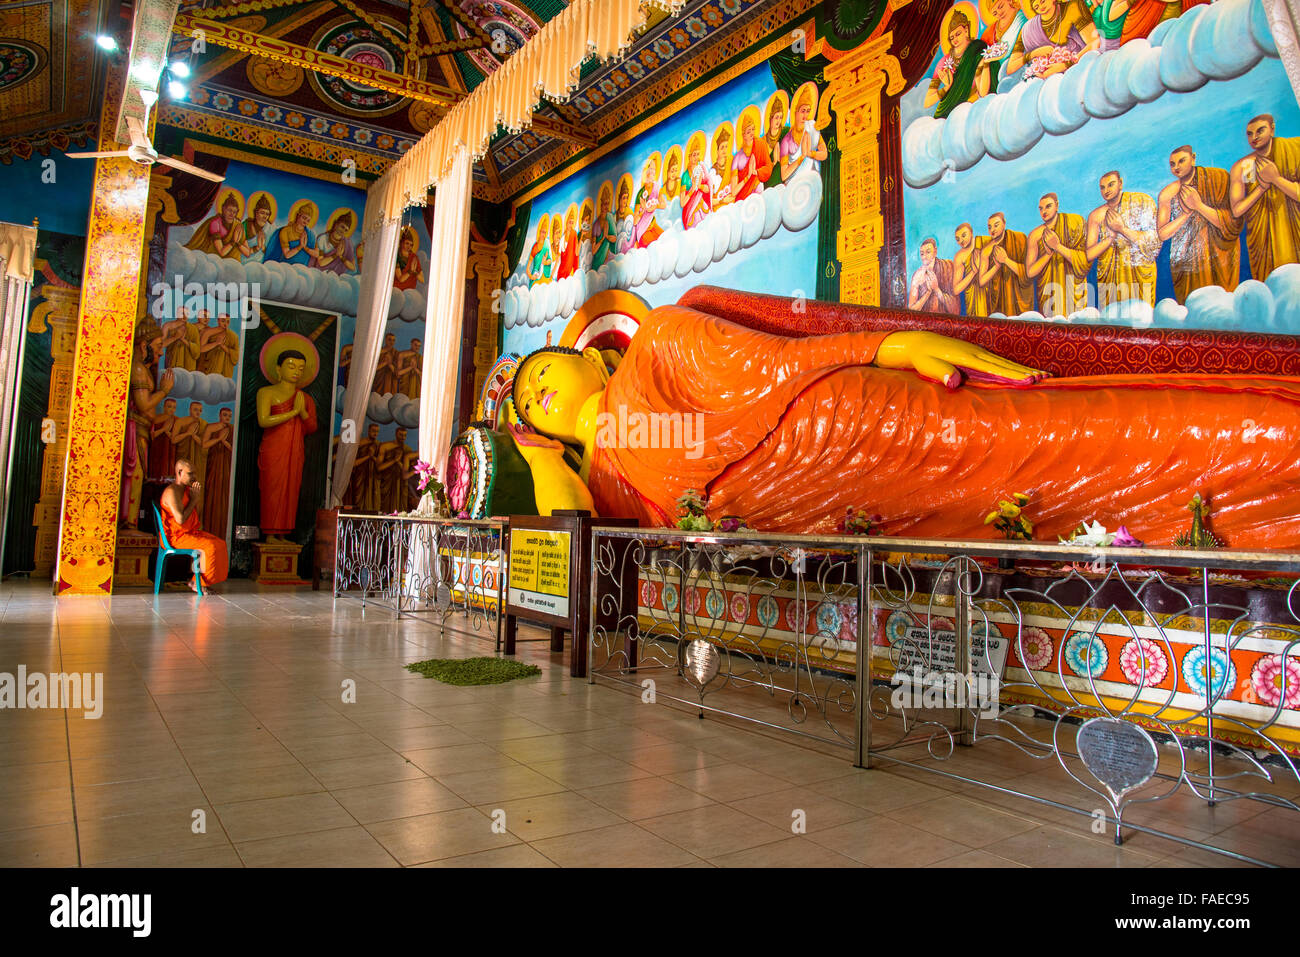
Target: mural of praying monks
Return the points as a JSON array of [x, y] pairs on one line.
[[539, 257], [648, 202], [187, 437], [410, 366], [803, 144], [162, 454], [778, 108], [395, 463], [722, 158], [604, 233], [295, 242], [408, 273], [626, 222], [386, 382], [223, 234], [363, 486], [697, 181], [1010, 291], [256, 228], [752, 166], [569, 256], [219, 349], [334, 250], [181, 340], [218, 445]]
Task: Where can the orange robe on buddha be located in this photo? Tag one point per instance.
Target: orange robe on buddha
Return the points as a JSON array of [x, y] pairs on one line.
[[792, 432], [216, 560], [279, 465]]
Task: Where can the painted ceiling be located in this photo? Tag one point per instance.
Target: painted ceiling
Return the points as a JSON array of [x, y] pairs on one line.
[[47, 75], [279, 81]]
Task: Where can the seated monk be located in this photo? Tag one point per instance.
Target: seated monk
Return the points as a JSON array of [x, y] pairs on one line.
[[181, 505], [789, 432]]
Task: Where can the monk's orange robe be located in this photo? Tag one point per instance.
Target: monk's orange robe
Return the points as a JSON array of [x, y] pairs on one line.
[[279, 465], [791, 432], [216, 561]]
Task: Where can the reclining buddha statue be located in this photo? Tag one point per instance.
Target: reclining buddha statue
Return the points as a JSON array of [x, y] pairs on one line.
[[923, 429]]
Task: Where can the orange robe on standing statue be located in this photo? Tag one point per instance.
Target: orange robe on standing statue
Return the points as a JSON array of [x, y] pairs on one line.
[[791, 432], [279, 465], [216, 561]]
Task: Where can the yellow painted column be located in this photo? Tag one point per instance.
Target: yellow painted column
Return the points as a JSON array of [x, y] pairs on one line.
[[101, 371], [487, 261], [856, 84]]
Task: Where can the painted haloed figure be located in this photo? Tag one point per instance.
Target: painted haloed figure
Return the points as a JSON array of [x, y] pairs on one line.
[[287, 415]]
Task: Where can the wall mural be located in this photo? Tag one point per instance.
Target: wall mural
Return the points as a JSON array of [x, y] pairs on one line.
[[1134, 162], [721, 192], [41, 421], [269, 267]]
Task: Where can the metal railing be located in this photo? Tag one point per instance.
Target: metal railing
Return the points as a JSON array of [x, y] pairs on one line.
[[424, 567], [1141, 673]]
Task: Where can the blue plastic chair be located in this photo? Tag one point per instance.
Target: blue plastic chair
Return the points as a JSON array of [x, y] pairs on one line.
[[166, 550]]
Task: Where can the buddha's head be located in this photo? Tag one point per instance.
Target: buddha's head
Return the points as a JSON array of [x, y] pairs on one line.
[[292, 364], [552, 385]]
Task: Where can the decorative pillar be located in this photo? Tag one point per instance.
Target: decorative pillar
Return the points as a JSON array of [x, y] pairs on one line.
[[857, 83], [101, 373], [59, 313], [487, 261]]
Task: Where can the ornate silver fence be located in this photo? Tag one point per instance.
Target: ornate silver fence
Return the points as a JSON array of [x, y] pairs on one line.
[[424, 567], [1139, 673]]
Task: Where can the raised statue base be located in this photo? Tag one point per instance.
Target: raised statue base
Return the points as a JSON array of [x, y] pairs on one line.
[[131, 558], [276, 564]]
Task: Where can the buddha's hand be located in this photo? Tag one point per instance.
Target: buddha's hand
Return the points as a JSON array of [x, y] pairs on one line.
[[555, 485], [946, 360]]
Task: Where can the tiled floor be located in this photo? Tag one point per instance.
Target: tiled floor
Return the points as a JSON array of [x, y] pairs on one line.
[[225, 740]]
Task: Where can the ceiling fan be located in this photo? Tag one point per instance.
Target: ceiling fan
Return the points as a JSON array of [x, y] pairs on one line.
[[141, 150]]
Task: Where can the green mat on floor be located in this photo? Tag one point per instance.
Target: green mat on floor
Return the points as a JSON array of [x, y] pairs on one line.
[[473, 671]]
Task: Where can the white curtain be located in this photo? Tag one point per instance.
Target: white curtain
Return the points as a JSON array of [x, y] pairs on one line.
[[373, 300], [446, 312], [13, 322], [1283, 19]]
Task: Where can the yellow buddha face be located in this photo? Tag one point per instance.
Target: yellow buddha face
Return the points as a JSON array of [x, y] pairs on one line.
[[291, 370], [552, 387]]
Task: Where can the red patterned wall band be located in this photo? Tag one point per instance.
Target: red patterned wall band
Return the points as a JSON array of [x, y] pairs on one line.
[[1059, 348]]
